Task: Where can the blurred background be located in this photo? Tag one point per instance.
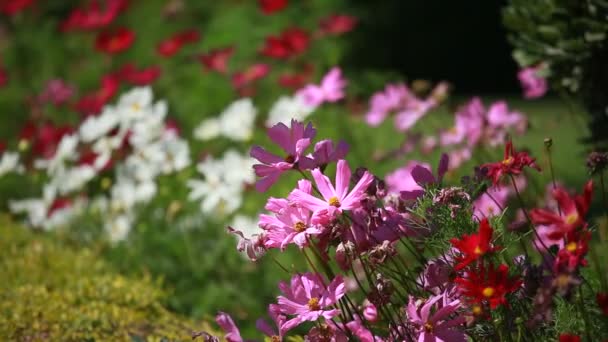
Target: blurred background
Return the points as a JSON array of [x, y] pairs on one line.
[[62, 62]]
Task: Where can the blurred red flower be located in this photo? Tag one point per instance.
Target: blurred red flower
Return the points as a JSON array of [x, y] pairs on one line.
[[3, 77], [298, 79], [337, 24], [569, 338], [93, 103], [129, 73], [291, 42], [217, 60], [173, 44], [43, 138], [12, 7], [272, 6], [251, 74], [602, 302], [93, 16], [115, 40]]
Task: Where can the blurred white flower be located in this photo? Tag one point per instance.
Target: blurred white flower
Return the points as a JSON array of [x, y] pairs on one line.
[[94, 127], [235, 122], [118, 227], [9, 162], [287, 108], [66, 151], [135, 104]]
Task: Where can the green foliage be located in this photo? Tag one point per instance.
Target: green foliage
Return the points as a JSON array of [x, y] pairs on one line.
[[50, 291], [570, 36]]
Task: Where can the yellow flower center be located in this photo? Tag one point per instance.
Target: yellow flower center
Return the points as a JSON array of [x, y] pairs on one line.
[[508, 161], [571, 247], [488, 292], [428, 327], [477, 310], [477, 251], [299, 227], [572, 218], [106, 183], [313, 304], [334, 201], [275, 338], [136, 107], [562, 280], [23, 144]]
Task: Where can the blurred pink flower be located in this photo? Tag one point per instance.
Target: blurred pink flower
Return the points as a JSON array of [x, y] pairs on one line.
[[402, 180], [534, 85], [227, 324], [57, 92], [337, 24], [330, 90]]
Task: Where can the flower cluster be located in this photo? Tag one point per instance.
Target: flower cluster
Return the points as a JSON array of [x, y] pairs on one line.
[[123, 151], [380, 268]]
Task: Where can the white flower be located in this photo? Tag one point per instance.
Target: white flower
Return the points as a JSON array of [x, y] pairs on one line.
[[216, 197], [9, 162], [118, 227], [73, 179], [177, 155], [63, 216], [94, 127], [134, 104], [66, 151], [34, 208], [235, 122], [238, 168], [287, 108], [208, 129]]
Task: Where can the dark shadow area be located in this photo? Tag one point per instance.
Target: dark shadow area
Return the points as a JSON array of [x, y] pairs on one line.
[[459, 41]]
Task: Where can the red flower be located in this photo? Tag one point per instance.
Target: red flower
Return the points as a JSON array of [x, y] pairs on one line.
[[272, 6], [131, 75], [115, 40], [572, 255], [173, 44], [2, 147], [42, 138], [217, 60], [3, 77], [512, 164], [337, 24], [488, 285], [573, 210], [12, 7], [251, 74], [569, 338], [291, 42], [602, 302], [93, 17], [94, 102], [474, 246], [58, 204]]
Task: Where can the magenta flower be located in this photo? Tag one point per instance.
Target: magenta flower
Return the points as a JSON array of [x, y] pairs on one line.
[[468, 125], [56, 92], [325, 152], [432, 319], [402, 180], [308, 299], [330, 90], [227, 324], [383, 103], [335, 200], [291, 225], [534, 85], [294, 141], [279, 320]]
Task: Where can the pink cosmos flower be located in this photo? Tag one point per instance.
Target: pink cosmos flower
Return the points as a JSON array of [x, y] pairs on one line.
[[534, 85], [227, 324], [384, 102], [402, 180], [468, 125], [279, 320], [491, 203], [432, 319], [325, 152], [308, 299], [294, 141], [330, 90], [335, 200], [56, 92], [291, 225]]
